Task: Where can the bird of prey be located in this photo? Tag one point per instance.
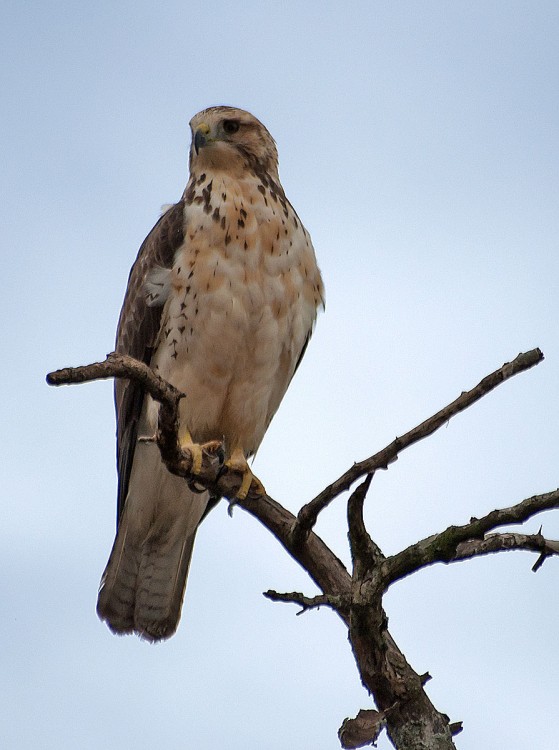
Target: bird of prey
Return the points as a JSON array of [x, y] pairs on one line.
[[221, 302]]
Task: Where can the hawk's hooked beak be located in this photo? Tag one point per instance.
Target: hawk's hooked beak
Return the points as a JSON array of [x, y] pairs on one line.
[[201, 136]]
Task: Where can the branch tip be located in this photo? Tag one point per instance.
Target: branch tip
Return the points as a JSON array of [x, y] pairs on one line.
[[455, 728], [336, 602]]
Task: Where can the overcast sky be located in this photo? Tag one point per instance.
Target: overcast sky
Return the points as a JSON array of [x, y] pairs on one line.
[[418, 142]]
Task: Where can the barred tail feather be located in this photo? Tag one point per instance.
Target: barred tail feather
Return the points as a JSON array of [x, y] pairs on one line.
[[143, 585]]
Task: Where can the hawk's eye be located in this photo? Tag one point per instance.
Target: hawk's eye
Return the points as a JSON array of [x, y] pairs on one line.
[[231, 126]]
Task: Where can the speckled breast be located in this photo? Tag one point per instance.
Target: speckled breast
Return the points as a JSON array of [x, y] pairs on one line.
[[244, 290]]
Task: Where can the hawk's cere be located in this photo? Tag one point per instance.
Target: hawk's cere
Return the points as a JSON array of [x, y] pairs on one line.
[[221, 302]]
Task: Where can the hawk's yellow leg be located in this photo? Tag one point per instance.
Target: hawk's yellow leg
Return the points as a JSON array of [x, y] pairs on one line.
[[195, 449], [238, 463]]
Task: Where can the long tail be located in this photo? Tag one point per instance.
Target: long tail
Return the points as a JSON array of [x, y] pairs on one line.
[[143, 585]]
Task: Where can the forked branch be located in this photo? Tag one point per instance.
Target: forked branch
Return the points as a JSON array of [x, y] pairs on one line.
[[405, 710]]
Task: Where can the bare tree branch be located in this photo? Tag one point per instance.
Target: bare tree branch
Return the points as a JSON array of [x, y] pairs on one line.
[[405, 710], [308, 514], [123, 366], [339, 603], [459, 542], [177, 460], [505, 542], [118, 366]]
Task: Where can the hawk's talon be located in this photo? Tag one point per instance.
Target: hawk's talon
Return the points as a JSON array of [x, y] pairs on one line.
[[242, 492], [213, 447], [195, 450], [198, 489], [237, 463]]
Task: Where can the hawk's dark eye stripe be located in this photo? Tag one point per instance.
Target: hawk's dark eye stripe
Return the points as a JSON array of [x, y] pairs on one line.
[[230, 126]]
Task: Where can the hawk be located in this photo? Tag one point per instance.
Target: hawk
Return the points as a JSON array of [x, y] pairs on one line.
[[221, 302]]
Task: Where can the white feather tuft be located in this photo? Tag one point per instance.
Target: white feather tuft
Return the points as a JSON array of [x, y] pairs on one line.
[[157, 286]]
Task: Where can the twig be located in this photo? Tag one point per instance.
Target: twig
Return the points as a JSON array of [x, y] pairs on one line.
[[338, 603], [308, 514], [505, 542], [455, 728], [459, 542], [119, 366]]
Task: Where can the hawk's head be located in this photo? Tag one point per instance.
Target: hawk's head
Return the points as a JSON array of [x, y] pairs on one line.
[[230, 139]]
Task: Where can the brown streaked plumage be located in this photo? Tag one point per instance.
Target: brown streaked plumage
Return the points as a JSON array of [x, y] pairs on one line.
[[221, 301]]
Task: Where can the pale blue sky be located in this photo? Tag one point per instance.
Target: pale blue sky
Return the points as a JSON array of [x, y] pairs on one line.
[[419, 144]]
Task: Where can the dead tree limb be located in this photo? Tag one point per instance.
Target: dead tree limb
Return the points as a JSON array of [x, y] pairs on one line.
[[405, 710], [460, 542], [308, 514]]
